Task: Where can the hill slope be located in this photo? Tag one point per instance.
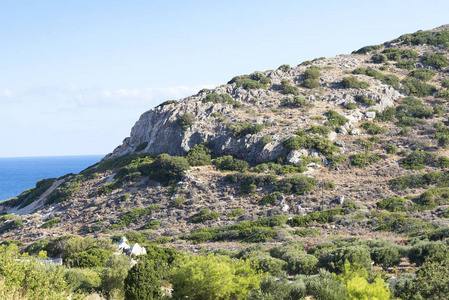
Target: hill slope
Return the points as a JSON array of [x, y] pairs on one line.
[[335, 131]]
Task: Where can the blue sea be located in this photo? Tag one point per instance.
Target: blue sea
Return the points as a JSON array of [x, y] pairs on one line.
[[20, 173]]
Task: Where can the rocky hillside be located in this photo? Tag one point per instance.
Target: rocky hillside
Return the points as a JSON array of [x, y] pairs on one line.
[[362, 136]]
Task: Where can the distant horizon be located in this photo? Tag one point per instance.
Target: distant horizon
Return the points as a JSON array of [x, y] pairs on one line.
[[47, 156]]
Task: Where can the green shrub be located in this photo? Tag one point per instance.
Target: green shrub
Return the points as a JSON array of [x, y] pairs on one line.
[[334, 260], [312, 73], [266, 139], [319, 217], [65, 190], [238, 212], [297, 184], [367, 49], [185, 121], [325, 286], [329, 185], [363, 159], [352, 82], [287, 88], [415, 87], [51, 223], [350, 106], [388, 79], [229, 163], [199, 155], [285, 68], [311, 83], [379, 58], [239, 130], [90, 258], [302, 264], [334, 119], [438, 61], [399, 54], [306, 232], [418, 159], [133, 216], [438, 109], [319, 129], [443, 94], [445, 83], [406, 64], [205, 215], [165, 169], [247, 182], [365, 100], [297, 102], [177, 201], [385, 256], [427, 251], [144, 281], [142, 146], [219, 98], [336, 159], [423, 74], [270, 198], [214, 277], [392, 204], [153, 224], [114, 274], [373, 128]]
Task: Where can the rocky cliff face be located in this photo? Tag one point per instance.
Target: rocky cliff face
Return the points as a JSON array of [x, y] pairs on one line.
[[161, 129]]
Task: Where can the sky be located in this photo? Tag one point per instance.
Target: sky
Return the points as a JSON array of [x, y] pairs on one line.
[[75, 75]]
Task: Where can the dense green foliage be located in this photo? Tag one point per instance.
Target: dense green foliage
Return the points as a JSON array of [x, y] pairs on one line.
[[143, 281], [415, 87], [132, 216], [334, 119], [220, 98], [205, 215], [351, 82], [436, 60], [185, 121], [229, 163], [373, 128], [239, 130], [249, 182], [388, 79], [212, 277], [199, 155], [297, 101], [367, 49], [165, 169], [51, 223], [423, 74]]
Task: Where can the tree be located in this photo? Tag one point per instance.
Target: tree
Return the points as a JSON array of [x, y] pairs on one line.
[[114, 274], [143, 281], [214, 277], [358, 287]]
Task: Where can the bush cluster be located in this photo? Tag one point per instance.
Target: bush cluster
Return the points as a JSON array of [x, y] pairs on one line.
[[418, 159], [205, 215], [311, 77], [436, 60], [249, 182], [367, 49], [334, 119], [30, 195], [373, 128], [365, 100], [165, 169], [185, 121], [297, 102], [220, 98], [287, 87], [229, 163], [256, 80], [295, 185], [239, 130], [351, 82], [388, 79], [423, 74], [133, 216], [361, 160], [415, 87], [199, 155]]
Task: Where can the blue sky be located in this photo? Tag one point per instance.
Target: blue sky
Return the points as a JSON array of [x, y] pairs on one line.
[[76, 75]]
